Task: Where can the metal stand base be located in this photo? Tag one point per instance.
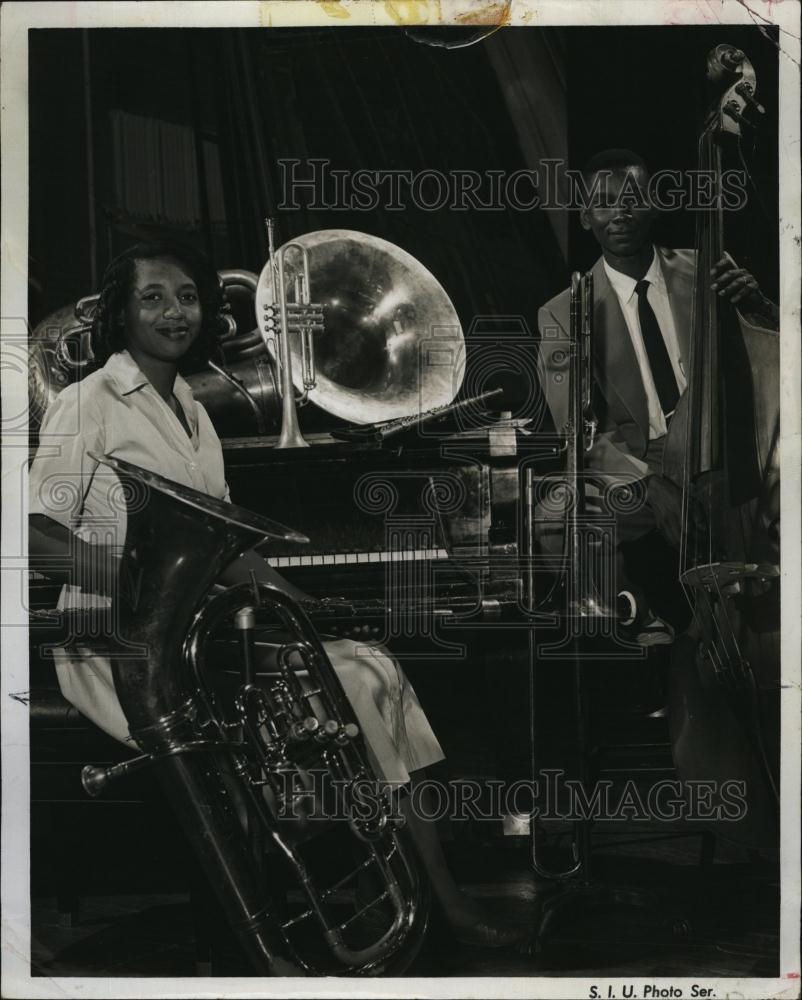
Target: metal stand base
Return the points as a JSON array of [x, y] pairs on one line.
[[574, 900], [578, 890]]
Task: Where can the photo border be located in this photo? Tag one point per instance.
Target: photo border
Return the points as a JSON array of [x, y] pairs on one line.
[[15, 21]]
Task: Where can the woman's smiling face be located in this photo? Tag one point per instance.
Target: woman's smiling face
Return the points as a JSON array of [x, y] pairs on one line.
[[163, 314]]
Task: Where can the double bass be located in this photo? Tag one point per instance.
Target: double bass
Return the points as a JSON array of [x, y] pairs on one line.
[[722, 450]]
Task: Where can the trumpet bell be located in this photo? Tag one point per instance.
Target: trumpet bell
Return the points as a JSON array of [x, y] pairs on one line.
[[392, 344]]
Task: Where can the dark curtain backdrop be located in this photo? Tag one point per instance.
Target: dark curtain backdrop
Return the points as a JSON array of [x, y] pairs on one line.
[[359, 98], [531, 69], [199, 119]]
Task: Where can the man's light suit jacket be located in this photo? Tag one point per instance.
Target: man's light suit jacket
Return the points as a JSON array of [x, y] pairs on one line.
[[619, 396]]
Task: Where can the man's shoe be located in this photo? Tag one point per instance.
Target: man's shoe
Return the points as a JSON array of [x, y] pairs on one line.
[[490, 934], [655, 633]]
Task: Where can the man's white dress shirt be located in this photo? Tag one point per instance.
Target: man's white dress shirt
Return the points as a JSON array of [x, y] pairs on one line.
[[657, 297]]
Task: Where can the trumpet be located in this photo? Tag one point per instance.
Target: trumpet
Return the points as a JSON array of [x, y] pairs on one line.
[[278, 317]]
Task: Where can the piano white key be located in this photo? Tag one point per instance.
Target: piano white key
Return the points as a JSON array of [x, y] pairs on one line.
[[360, 558]]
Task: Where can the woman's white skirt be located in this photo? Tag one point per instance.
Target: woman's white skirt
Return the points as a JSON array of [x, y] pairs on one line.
[[397, 733]]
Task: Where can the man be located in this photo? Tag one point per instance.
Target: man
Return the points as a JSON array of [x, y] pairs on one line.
[[642, 327]]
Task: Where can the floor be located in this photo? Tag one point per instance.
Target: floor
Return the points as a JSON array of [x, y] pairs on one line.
[[718, 912], [705, 926]]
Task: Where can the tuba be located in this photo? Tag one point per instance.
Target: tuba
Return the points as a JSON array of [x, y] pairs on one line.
[[344, 320], [231, 759]]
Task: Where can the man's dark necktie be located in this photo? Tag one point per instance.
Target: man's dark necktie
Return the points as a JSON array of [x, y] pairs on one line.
[[663, 374]]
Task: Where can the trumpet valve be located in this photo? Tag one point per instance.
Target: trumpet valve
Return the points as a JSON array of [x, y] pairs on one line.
[[300, 315], [305, 315]]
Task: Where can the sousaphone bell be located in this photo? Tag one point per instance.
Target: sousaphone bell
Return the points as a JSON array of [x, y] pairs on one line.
[[391, 344]]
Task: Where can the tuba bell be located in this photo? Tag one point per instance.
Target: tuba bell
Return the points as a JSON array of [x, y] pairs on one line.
[[226, 755]]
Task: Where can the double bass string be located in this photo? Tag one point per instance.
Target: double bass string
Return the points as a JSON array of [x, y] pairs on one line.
[[730, 647], [686, 462], [705, 313]]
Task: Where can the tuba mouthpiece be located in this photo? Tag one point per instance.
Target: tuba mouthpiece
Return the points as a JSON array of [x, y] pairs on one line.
[[94, 779]]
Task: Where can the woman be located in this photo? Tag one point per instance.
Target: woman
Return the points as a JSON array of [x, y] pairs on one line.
[[159, 313]]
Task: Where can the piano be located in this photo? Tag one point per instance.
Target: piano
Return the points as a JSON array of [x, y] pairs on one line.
[[405, 535], [409, 532]]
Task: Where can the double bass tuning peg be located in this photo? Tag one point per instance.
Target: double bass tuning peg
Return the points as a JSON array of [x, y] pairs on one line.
[[732, 110], [744, 90]]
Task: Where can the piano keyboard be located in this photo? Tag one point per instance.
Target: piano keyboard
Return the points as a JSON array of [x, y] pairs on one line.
[[339, 558], [354, 558]]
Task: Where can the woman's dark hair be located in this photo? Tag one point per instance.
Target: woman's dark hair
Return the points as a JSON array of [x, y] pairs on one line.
[[108, 330]]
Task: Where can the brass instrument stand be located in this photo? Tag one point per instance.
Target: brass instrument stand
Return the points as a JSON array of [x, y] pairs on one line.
[[579, 890]]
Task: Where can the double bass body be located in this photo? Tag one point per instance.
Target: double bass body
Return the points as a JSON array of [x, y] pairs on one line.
[[722, 449]]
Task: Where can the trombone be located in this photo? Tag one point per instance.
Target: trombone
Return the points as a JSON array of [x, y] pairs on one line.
[[583, 600]]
